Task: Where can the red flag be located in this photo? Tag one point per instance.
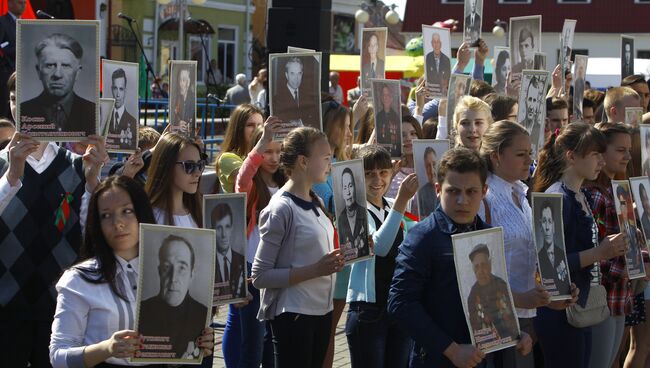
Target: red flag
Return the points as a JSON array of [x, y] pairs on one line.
[[28, 14]]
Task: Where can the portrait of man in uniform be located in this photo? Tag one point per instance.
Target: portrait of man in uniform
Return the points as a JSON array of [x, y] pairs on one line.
[[121, 83], [437, 61], [388, 121], [373, 56], [553, 265]]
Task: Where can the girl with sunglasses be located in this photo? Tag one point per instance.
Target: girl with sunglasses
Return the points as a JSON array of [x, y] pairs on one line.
[[95, 294]]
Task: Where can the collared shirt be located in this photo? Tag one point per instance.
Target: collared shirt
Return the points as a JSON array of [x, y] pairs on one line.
[[521, 259], [88, 313], [120, 113], [59, 111], [294, 92], [221, 258], [12, 15]]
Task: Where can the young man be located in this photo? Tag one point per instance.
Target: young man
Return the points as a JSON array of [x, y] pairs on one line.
[[617, 99], [424, 297], [639, 85], [557, 115], [588, 111]]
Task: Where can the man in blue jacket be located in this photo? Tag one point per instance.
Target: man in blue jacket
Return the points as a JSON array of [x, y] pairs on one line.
[[424, 296]]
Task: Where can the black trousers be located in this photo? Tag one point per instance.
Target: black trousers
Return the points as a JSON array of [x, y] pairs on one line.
[[25, 343], [300, 340]]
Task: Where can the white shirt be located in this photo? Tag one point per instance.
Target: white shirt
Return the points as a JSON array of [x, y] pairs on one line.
[[179, 220], [337, 93], [120, 112], [221, 260], [88, 313], [521, 259]]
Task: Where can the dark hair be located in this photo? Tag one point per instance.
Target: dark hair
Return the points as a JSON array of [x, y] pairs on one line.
[[501, 59], [555, 104], [642, 192], [366, 125], [480, 88], [11, 82], [180, 239], [259, 195], [348, 171], [524, 34], [609, 131], [118, 73], [578, 137], [546, 204], [633, 79], [374, 157], [479, 248], [334, 115], [234, 140], [430, 128], [220, 211], [500, 105], [462, 160], [95, 244], [586, 103], [621, 191]]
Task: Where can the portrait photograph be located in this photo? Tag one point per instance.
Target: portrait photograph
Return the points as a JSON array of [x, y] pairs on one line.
[[539, 63], [627, 225], [644, 132], [105, 112], [175, 285], [501, 63], [388, 115], [532, 105], [548, 229], [57, 84], [294, 83], [489, 309], [633, 116], [566, 43], [472, 27], [120, 82], [579, 83], [627, 56], [293, 50], [525, 40], [426, 156], [226, 215], [437, 59], [459, 85], [373, 57], [182, 97], [640, 192], [349, 186], [343, 33]]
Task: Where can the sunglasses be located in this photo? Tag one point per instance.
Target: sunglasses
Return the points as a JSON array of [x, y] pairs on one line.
[[190, 166]]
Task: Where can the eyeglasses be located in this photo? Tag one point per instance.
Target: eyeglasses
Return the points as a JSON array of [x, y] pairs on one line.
[[190, 166]]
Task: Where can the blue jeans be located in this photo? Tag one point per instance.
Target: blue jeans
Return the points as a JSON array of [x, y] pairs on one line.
[[374, 340], [243, 338]]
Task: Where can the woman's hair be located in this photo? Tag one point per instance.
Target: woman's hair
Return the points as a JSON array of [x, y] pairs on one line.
[[161, 177], [95, 244], [430, 128], [334, 115], [260, 194], [414, 123], [374, 157], [366, 125], [234, 140], [471, 103], [578, 137], [498, 137], [500, 105], [609, 131]]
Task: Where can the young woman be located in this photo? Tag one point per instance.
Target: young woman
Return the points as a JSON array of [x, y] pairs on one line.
[[236, 144], [373, 339], [607, 335], [568, 159], [296, 258], [472, 117], [410, 130], [95, 312], [506, 149]]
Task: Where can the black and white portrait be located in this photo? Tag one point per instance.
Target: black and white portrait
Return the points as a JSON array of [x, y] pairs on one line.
[[349, 186], [633, 116], [539, 62], [120, 82], [501, 62], [532, 106], [627, 225], [58, 79], [472, 26], [483, 285], [295, 90], [459, 85], [388, 115], [525, 40], [226, 215], [106, 106], [174, 292], [566, 44], [641, 193], [644, 132], [549, 241], [426, 156], [627, 56], [182, 97], [437, 59], [373, 57], [579, 78]]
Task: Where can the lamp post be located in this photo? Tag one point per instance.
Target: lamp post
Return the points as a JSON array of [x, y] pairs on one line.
[[182, 8], [500, 29], [375, 9]]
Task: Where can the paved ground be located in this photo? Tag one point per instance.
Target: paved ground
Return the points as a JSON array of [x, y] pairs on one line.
[[341, 354]]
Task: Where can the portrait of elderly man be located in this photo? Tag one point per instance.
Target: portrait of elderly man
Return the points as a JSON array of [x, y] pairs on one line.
[[293, 100], [438, 66], [353, 220], [533, 108], [173, 312], [230, 278], [184, 103], [388, 121], [58, 66], [122, 128], [427, 199], [489, 300]]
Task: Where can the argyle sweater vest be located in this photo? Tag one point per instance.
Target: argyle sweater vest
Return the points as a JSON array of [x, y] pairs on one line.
[[33, 250]]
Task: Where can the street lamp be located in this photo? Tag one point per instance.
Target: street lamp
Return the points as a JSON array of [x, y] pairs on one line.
[[182, 7], [375, 9], [500, 29]]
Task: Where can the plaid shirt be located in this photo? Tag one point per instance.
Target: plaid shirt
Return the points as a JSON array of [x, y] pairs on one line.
[[614, 273]]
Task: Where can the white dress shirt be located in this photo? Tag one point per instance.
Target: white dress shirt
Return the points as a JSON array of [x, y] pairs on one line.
[[179, 220], [221, 260], [88, 313]]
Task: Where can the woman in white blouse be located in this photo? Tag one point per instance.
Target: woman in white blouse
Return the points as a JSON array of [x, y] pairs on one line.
[[95, 311], [506, 148]]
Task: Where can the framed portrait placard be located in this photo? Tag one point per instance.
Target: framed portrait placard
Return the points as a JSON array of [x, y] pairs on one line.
[[226, 215], [484, 289], [548, 233], [294, 50], [640, 186], [373, 57], [174, 302], [579, 83], [349, 186], [437, 59], [120, 81], [182, 97], [57, 84], [627, 225], [627, 55], [532, 105], [472, 26], [294, 90], [525, 39], [644, 132], [426, 156], [633, 116], [105, 112], [459, 85], [388, 115], [501, 62]]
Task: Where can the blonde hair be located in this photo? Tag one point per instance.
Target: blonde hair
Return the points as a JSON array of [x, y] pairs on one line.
[[615, 95], [471, 103]]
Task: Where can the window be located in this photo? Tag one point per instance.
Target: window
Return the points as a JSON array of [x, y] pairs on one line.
[[453, 1], [227, 52], [574, 52], [197, 52], [515, 1], [643, 54], [642, 1], [574, 1]]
